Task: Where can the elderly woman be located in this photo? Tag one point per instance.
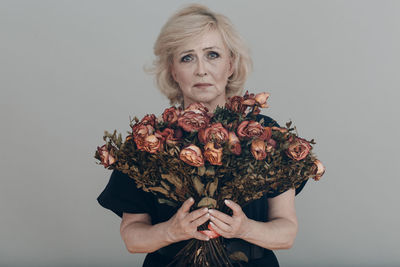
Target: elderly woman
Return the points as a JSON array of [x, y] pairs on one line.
[[200, 58]]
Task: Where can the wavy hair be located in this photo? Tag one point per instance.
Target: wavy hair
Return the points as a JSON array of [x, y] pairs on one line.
[[186, 24]]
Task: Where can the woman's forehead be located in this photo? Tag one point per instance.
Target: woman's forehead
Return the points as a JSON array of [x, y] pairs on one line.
[[207, 40]]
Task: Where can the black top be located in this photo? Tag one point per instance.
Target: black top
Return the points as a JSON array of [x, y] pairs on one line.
[[121, 195]]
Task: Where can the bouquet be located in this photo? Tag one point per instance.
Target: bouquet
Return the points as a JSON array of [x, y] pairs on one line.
[[228, 154]]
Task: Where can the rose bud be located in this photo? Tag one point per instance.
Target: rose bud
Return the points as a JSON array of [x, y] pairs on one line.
[[319, 169], [193, 120], [106, 157], [261, 99], [234, 144], [151, 144], [298, 148], [271, 144], [258, 149], [170, 115], [192, 156], [149, 119], [249, 129], [212, 154]]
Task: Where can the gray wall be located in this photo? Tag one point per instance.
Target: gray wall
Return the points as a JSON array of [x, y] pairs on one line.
[[71, 69]]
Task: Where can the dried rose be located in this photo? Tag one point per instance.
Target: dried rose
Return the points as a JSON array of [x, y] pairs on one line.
[[106, 156], [250, 129], [319, 169], [258, 149], [139, 132], [215, 132], [267, 133], [249, 99], [234, 103], [213, 154], [171, 115], [261, 99], [152, 144], [149, 119], [171, 136], [298, 148], [193, 120], [197, 106], [234, 144], [192, 155]]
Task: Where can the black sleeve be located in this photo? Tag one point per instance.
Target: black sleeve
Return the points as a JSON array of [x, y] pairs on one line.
[[271, 122], [121, 195]]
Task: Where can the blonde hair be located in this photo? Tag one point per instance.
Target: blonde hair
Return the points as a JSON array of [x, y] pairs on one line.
[[186, 24]]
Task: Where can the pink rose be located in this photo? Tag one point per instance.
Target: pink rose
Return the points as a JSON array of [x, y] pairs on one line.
[[193, 120], [298, 148], [258, 149], [171, 115], [213, 154], [234, 144], [215, 132], [106, 156], [192, 155]]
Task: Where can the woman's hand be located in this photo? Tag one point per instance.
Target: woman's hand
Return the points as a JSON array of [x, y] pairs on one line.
[[235, 226], [183, 225]]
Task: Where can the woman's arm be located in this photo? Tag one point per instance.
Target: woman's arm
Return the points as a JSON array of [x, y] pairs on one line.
[[140, 236], [278, 233]]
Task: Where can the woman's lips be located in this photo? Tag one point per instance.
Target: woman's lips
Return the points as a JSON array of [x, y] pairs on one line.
[[202, 85]]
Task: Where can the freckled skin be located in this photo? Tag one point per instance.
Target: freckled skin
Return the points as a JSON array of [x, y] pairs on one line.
[[206, 60]]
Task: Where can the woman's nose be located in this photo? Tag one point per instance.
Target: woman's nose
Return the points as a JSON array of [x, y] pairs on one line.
[[201, 68]]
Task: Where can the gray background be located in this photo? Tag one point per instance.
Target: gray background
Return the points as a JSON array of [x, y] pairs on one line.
[[71, 69]]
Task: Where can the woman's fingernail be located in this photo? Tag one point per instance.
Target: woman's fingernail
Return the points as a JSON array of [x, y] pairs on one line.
[[226, 201]]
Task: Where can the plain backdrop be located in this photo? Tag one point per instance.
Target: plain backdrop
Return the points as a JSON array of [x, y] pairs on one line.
[[71, 69]]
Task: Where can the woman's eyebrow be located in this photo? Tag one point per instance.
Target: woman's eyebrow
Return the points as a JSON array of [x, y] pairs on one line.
[[204, 49]]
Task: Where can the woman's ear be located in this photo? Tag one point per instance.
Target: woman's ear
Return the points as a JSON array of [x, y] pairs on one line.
[[231, 66]]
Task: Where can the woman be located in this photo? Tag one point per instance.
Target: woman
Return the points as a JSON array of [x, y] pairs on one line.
[[200, 58]]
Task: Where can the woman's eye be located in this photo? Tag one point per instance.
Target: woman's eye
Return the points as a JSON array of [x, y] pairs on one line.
[[213, 55], [186, 58]]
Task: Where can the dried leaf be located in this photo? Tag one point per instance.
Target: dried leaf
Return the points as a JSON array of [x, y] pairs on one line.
[[172, 179], [213, 187], [166, 201], [201, 170], [159, 189], [210, 171], [239, 256], [198, 185], [207, 202]]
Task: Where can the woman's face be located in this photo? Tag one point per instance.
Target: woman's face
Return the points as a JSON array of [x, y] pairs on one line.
[[202, 67]]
